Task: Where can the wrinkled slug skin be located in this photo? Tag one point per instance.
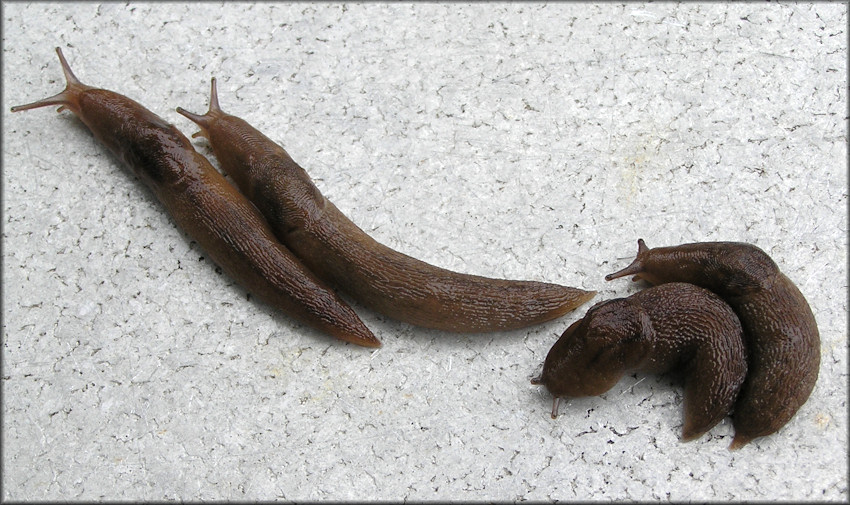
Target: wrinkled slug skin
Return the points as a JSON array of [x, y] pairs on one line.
[[780, 330], [340, 253], [208, 208], [675, 326]]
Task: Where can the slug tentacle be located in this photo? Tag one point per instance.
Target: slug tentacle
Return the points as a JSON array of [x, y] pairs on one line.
[[555, 403], [209, 209], [342, 254], [636, 266], [677, 326], [212, 114], [68, 98], [780, 330]]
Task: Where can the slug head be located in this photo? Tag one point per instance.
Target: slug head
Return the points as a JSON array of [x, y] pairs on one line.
[[730, 269], [69, 98], [234, 142], [205, 121], [594, 352], [638, 267]]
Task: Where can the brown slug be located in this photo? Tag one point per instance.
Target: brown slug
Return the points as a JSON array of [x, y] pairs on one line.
[[678, 327], [207, 207], [342, 254], [780, 330]]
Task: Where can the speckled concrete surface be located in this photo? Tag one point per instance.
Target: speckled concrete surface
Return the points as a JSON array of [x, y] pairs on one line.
[[521, 141]]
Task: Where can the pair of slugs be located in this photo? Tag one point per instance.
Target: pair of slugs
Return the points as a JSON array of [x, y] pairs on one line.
[[723, 314], [282, 240]]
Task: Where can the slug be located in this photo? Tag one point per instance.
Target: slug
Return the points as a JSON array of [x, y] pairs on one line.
[[207, 207], [342, 254], [780, 331], [675, 326]]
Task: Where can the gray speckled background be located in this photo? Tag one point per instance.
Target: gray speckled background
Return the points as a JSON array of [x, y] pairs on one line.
[[521, 141]]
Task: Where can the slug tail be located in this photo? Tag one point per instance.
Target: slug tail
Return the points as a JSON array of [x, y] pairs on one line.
[[568, 300], [582, 298], [372, 343], [206, 120], [739, 441], [692, 432], [363, 338], [67, 99], [636, 268]]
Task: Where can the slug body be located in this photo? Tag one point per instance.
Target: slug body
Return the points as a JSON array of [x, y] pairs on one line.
[[207, 207], [676, 326], [340, 253], [780, 330]]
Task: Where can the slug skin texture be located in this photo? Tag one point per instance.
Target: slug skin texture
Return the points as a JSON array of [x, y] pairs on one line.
[[208, 208], [342, 254], [675, 327], [780, 331]]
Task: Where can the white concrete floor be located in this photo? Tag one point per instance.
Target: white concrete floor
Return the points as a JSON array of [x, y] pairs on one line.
[[525, 141]]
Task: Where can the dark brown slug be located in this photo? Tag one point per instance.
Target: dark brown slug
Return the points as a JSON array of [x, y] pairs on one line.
[[207, 207], [676, 326], [340, 253], [780, 330]]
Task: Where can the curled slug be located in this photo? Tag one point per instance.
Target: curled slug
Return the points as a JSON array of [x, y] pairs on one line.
[[207, 207], [780, 330], [342, 254], [676, 326]]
